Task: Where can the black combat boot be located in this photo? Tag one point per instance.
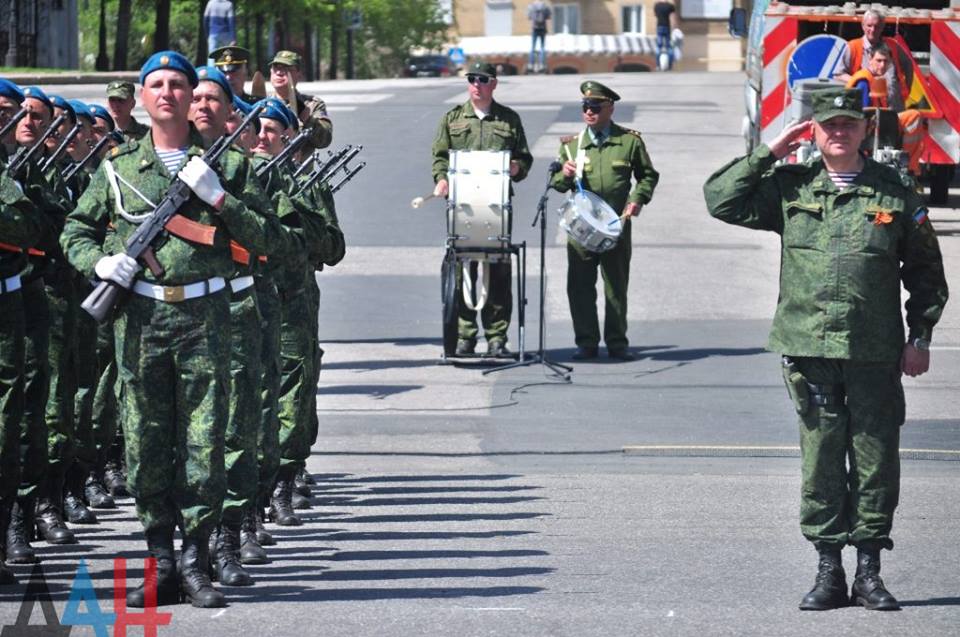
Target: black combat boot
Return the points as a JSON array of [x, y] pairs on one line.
[[868, 589], [113, 477], [7, 578], [74, 505], [300, 502], [195, 575], [281, 508], [96, 491], [50, 524], [300, 484], [20, 532], [830, 591], [160, 545], [263, 536], [226, 560], [251, 552], [307, 478]]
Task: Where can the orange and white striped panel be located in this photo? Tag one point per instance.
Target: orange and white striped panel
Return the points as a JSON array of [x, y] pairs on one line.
[[943, 144], [779, 40]]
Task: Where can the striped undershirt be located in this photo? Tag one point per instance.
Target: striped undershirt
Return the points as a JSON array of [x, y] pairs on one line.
[[842, 180], [172, 159]]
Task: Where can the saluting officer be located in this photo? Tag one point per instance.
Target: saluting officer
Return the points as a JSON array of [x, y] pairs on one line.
[[309, 109], [172, 332], [482, 123], [611, 161], [852, 230]]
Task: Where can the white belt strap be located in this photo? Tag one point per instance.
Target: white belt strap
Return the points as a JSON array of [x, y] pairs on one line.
[[177, 293], [241, 283], [10, 284], [483, 283]]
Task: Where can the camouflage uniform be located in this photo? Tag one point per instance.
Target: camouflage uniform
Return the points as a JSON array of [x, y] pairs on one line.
[[20, 227], [500, 129], [135, 130], [844, 255], [173, 358], [607, 171]]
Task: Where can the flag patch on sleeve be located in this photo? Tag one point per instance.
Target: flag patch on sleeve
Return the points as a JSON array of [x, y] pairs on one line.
[[920, 216]]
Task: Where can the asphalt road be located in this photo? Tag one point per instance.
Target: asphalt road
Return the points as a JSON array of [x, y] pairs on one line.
[[658, 497]]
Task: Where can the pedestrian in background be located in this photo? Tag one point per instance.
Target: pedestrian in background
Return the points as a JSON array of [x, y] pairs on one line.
[[220, 25], [539, 13]]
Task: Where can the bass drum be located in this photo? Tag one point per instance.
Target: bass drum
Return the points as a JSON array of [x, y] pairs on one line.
[[450, 298]]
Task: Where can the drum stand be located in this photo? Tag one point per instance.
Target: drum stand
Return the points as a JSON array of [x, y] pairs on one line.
[[558, 370]]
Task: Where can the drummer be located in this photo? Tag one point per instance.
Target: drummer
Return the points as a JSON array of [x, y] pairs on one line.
[[481, 123], [612, 162]]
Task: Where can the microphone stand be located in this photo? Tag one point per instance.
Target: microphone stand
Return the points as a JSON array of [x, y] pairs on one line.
[[558, 370]]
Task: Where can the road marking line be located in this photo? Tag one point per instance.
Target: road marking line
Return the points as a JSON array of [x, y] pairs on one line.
[[767, 451], [220, 613]]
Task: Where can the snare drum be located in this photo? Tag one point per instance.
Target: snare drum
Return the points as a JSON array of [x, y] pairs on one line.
[[590, 222], [478, 219]]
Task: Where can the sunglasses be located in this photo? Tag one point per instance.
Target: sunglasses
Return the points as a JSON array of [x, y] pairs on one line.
[[478, 79], [593, 107]]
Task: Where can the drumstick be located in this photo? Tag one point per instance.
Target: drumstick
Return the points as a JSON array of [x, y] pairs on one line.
[[419, 201]]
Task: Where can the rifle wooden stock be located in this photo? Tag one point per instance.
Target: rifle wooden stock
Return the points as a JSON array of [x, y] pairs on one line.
[[140, 244]]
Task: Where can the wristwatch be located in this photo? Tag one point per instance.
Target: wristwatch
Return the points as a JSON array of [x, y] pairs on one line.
[[921, 344]]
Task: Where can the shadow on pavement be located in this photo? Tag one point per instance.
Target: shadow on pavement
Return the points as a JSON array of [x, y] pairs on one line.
[[933, 601], [373, 391], [303, 594]]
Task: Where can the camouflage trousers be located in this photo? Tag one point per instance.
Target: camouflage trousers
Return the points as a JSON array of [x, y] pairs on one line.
[[313, 293], [268, 435], [104, 417], [62, 355], [614, 266], [36, 387], [495, 315], [297, 389], [173, 362], [240, 455], [88, 377], [850, 452], [12, 328]]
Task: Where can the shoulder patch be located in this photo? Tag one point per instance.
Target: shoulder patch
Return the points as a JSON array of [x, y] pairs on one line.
[[635, 133], [126, 147]]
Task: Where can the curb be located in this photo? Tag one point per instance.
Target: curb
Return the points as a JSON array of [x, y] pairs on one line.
[[46, 79]]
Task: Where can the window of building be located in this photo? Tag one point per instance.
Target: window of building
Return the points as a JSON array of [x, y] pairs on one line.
[[632, 19], [566, 17], [498, 17]]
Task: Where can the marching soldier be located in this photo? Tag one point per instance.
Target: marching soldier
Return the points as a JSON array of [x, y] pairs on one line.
[[21, 226], [120, 104], [612, 162], [852, 231], [482, 123], [172, 331], [309, 109], [232, 62]]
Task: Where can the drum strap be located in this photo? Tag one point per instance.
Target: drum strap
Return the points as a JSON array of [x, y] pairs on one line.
[[581, 156], [483, 284]]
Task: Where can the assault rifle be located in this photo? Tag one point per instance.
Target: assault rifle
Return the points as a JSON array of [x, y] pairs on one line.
[[323, 173], [20, 160], [94, 151], [13, 122], [140, 244], [292, 146], [62, 147]]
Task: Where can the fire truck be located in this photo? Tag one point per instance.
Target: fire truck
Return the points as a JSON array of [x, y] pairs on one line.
[[795, 47]]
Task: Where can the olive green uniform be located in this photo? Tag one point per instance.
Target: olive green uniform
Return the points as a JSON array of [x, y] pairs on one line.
[[620, 172], [500, 129], [135, 130], [173, 357], [845, 253]]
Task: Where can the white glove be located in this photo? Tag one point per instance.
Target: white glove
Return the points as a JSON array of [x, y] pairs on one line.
[[203, 181], [118, 268]]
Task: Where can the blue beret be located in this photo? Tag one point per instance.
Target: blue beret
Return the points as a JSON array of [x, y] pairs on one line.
[[37, 94], [98, 111], [82, 110], [11, 90], [213, 74], [169, 60], [276, 109], [59, 102], [244, 109]]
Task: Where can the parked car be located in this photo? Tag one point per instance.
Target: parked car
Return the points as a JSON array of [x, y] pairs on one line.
[[429, 66]]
